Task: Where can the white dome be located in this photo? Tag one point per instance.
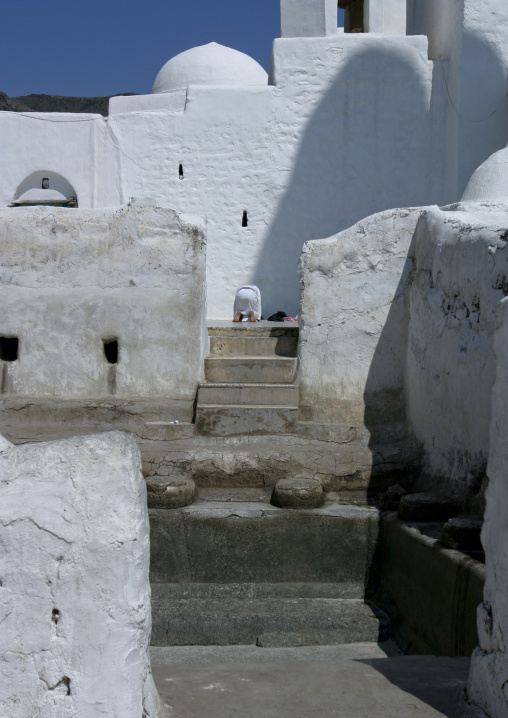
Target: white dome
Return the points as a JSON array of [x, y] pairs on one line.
[[211, 64], [490, 180]]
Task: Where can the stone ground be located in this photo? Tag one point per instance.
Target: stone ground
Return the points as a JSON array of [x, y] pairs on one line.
[[396, 687]]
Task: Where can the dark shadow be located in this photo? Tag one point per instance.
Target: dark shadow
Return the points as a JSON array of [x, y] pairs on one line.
[[438, 682]]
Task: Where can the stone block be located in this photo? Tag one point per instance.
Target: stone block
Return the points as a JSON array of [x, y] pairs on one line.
[[390, 500], [170, 493], [426, 507], [298, 494], [463, 532], [74, 595]]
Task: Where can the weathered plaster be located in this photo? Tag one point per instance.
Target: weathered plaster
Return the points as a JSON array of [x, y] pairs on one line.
[[488, 683], [74, 591], [460, 257], [70, 279]]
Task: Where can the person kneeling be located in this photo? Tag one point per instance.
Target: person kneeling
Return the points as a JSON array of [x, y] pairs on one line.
[[247, 304]]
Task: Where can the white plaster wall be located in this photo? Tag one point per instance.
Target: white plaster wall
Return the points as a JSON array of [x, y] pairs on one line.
[[387, 17], [75, 595], [461, 255], [354, 318], [308, 18], [63, 143], [71, 278], [349, 127], [433, 18], [481, 103], [488, 682]]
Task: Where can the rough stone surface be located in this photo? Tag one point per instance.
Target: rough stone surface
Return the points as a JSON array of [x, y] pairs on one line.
[[74, 591], [353, 321], [460, 277], [298, 494], [390, 500], [462, 532], [171, 493], [426, 507], [430, 593], [71, 280], [488, 684]]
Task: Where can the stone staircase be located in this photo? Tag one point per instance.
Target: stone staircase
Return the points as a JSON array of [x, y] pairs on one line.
[[250, 380]]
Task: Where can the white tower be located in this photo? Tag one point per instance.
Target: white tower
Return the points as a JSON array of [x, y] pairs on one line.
[[308, 18]]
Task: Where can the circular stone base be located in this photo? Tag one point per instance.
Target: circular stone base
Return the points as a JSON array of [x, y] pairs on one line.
[[298, 494], [170, 493]]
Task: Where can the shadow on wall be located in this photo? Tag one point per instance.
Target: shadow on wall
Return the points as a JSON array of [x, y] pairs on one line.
[[483, 111], [365, 149]]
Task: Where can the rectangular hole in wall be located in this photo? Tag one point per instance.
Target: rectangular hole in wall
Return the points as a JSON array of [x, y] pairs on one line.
[[9, 348], [111, 350]]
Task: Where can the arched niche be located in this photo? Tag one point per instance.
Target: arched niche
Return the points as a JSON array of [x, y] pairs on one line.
[[46, 188]]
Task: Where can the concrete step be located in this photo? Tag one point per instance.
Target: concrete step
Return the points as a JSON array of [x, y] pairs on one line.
[[166, 655], [224, 328], [238, 419], [271, 623], [285, 345], [250, 369], [249, 394]]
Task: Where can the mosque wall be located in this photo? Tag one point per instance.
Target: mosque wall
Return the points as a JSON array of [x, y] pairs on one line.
[[73, 282], [69, 145], [344, 131]]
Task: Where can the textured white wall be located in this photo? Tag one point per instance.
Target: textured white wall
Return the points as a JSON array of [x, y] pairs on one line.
[[75, 594], [488, 682], [354, 320], [71, 278], [344, 132], [62, 143], [387, 17], [460, 277], [308, 18]]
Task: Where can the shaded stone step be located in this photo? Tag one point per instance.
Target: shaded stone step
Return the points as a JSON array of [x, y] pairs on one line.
[[277, 622], [255, 543], [224, 328], [233, 420], [250, 369], [250, 394], [285, 345], [164, 655], [255, 591]]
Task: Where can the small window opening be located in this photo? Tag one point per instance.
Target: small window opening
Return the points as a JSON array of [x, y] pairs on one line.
[[245, 219], [55, 615], [9, 348], [180, 171], [45, 183], [111, 350]]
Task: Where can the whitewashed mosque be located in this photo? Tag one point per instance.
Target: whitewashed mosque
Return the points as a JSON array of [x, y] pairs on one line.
[[361, 185], [347, 124]]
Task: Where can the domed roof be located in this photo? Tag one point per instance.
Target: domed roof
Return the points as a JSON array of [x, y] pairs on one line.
[[211, 64], [490, 180]]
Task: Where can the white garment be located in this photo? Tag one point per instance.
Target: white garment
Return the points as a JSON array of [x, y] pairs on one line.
[[248, 299]]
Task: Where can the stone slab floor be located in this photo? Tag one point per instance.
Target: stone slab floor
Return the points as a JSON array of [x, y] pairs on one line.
[[395, 687]]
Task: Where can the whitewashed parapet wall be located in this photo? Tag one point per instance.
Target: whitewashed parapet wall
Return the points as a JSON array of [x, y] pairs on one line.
[[354, 319], [460, 276], [75, 595], [488, 682], [71, 279]]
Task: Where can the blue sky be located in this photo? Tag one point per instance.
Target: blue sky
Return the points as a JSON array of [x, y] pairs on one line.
[[93, 48]]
